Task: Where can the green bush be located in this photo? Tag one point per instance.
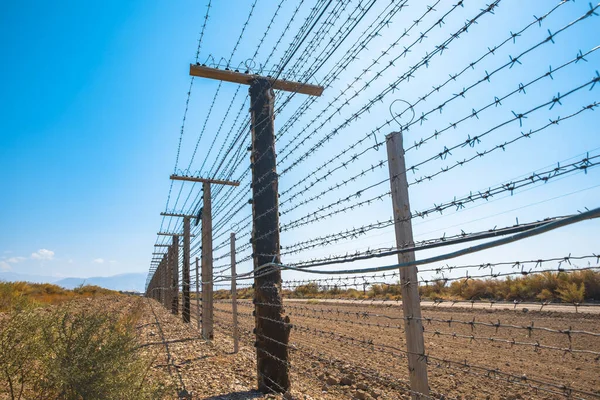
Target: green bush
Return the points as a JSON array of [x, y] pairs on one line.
[[21, 352], [73, 353], [308, 290], [11, 299]]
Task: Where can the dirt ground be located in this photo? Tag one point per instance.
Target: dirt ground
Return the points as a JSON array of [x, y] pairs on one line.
[[343, 350]]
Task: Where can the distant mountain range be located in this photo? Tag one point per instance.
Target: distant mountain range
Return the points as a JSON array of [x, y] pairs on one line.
[[124, 282]]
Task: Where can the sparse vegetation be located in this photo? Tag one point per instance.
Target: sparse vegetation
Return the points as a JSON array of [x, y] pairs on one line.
[[73, 350], [573, 287], [20, 294]]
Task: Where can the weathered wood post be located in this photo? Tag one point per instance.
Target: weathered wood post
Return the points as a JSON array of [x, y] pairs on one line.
[[411, 303], [163, 284], [185, 288], [157, 284], [150, 288], [168, 279], [207, 264], [234, 295], [174, 266], [154, 286], [207, 257], [160, 284], [198, 283], [272, 331]]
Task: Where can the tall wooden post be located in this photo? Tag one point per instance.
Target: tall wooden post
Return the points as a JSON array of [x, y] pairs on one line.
[[163, 284], [272, 332], [165, 281], [411, 304], [160, 284], [168, 291], [272, 329], [207, 264], [207, 258], [174, 250], [185, 289], [150, 290], [198, 282], [234, 295]]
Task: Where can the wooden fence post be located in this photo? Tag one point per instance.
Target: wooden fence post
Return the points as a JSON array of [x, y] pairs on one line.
[[272, 330], [272, 327], [185, 288], [411, 304], [174, 250], [207, 264], [234, 295], [161, 284], [198, 283]]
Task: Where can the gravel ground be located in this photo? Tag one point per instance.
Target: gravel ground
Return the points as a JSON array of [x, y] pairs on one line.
[[207, 370], [354, 351]]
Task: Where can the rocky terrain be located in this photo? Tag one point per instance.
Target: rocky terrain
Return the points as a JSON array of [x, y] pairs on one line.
[[356, 351]]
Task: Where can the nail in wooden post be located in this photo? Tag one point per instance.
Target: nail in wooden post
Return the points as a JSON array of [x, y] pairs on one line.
[[198, 282], [174, 250], [207, 264], [272, 332], [234, 295], [411, 303], [185, 313]]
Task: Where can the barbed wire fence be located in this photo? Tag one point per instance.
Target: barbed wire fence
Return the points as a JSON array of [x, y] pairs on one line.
[[486, 113]]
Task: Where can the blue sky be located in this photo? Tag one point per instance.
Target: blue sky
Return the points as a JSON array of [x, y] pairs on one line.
[[93, 97], [92, 100]]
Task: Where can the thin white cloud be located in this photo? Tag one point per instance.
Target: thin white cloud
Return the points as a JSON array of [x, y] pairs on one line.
[[43, 254], [112, 262], [4, 266], [99, 260], [14, 260]]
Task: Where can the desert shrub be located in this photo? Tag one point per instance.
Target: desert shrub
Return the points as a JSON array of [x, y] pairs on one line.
[[308, 290], [70, 352], [11, 298], [14, 293], [20, 353], [91, 290], [572, 292], [335, 290], [545, 295], [220, 294], [387, 291], [543, 287], [246, 293], [470, 289], [590, 281], [434, 290], [353, 294]]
